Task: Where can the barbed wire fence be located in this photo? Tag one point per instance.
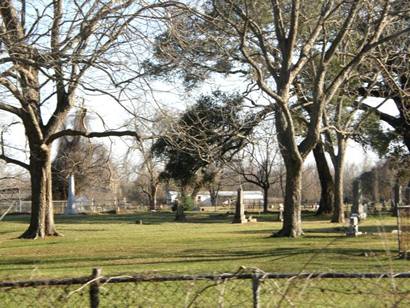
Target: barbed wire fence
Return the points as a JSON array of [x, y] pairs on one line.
[[245, 288]]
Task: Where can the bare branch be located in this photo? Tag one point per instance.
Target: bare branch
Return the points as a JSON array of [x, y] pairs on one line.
[[107, 133]]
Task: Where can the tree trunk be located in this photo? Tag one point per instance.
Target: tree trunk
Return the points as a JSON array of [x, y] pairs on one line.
[[338, 213], [195, 192], [375, 186], [180, 212], [42, 215], [265, 199], [326, 181], [213, 194], [153, 198], [292, 221]]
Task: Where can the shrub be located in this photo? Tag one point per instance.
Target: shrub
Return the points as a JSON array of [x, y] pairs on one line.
[[188, 203]]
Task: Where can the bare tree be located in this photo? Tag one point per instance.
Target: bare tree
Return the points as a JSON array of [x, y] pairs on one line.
[[272, 43], [310, 184], [89, 162], [258, 163], [203, 137], [50, 51], [326, 180], [148, 172], [212, 177]]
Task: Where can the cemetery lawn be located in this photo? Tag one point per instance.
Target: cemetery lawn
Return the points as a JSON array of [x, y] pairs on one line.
[[206, 243]]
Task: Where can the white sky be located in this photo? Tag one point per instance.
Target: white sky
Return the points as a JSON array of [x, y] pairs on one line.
[[172, 98]]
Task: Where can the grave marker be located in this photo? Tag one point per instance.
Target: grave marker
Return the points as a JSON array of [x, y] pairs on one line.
[[239, 217], [71, 206]]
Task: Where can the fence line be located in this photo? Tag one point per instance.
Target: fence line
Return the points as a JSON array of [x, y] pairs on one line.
[[96, 281], [163, 278], [90, 206]]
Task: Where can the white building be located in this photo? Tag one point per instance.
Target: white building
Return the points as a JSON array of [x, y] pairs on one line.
[[227, 197]]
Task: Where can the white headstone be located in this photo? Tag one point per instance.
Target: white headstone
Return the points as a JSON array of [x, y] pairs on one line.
[[71, 206], [353, 229]]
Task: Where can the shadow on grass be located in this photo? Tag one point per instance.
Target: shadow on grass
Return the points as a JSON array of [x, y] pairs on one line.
[[146, 218], [366, 229], [327, 233], [151, 218], [199, 256]]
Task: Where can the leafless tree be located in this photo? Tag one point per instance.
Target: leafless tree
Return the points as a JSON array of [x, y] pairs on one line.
[[272, 42], [50, 51], [259, 162], [89, 162], [148, 171], [390, 78]]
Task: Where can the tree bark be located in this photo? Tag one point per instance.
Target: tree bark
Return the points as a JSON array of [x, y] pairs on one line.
[[326, 181], [293, 160], [42, 215], [338, 213], [265, 199], [213, 194], [195, 192], [153, 198], [375, 186], [179, 211], [292, 221]]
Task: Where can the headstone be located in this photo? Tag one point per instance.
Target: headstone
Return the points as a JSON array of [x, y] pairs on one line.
[[363, 210], [280, 214], [353, 229], [71, 206], [239, 217], [251, 219]]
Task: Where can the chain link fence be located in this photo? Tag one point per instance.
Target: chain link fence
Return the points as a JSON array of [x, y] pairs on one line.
[[403, 222], [241, 289]]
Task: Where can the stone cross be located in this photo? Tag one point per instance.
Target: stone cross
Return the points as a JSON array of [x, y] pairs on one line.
[[71, 207], [239, 217]]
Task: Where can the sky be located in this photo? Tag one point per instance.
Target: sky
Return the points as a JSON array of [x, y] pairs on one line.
[[161, 96], [166, 97]]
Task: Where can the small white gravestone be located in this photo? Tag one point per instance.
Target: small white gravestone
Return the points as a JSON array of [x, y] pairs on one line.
[[363, 208], [280, 214], [71, 206], [353, 229]]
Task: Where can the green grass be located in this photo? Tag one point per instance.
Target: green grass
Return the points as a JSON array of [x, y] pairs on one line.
[[207, 243]]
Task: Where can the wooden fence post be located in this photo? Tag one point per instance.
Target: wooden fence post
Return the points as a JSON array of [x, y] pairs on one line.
[[94, 288]]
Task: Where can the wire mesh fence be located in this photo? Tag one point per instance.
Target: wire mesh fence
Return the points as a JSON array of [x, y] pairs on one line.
[[241, 289], [403, 219]]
